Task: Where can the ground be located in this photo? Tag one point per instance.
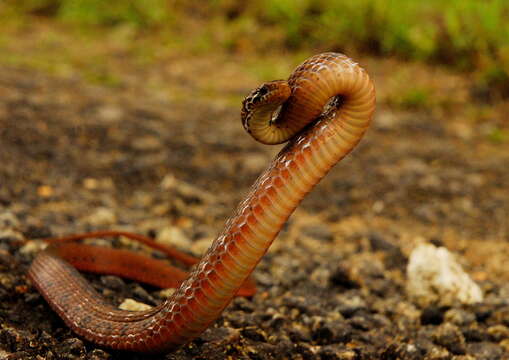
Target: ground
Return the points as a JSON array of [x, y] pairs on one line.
[[161, 151]]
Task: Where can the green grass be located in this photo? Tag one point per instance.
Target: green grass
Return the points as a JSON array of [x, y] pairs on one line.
[[415, 98], [498, 136], [144, 13], [464, 34], [455, 31], [470, 35]]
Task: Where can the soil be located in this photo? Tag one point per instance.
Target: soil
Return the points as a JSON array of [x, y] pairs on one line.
[[174, 160]]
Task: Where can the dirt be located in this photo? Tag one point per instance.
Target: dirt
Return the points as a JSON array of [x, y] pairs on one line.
[[78, 157]]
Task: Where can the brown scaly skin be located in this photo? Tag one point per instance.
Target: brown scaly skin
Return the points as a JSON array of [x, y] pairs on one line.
[[310, 153]]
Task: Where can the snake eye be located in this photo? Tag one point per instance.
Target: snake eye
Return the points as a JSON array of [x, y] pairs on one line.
[[263, 91], [259, 93]]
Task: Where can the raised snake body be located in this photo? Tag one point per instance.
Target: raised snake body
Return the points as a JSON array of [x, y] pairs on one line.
[[323, 109]]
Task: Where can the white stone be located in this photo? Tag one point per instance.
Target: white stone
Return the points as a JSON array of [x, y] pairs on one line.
[[133, 305], [199, 247], [8, 221], [173, 236], [33, 246], [102, 216], [435, 277], [167, 293], [110, 113]]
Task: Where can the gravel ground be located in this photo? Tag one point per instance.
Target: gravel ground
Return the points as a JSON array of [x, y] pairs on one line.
[[77, 157]]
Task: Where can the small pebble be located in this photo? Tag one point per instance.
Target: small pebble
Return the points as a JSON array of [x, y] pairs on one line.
[[434, 276], [474, 333], [166, 293], [328, 332], [98, 354], [199, 247], [504, 344], [113, 282], [243, 304], [378, 243], [306, 351], [254, 333], [110, 113], [498, 332], [450, 337], [133, 305], [341, 277], [146, 143], [101, 216], [299, 333], [432, 315], [277, 321], [336, 352], [8, 220], [318, 231], [350, 306], [71, 347], [482, 312], [142, 294], [401, 351], [174, 236], [45, 191], [33, 246], [37, 232], [239, 319], [459, 317], [501, 315], [395, 259], [220, 335], [486, 351], [255, 162], [361, 323]]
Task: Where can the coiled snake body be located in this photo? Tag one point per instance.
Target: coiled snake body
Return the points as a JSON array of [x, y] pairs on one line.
[[323, 109]]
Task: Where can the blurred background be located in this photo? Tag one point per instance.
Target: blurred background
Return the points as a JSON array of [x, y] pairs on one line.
[[467, 36], [125, 114]]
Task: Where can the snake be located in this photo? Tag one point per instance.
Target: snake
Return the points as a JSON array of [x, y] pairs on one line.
[[321, 111]]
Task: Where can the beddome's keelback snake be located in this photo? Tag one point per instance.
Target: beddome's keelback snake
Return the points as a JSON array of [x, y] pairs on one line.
[[322, 111]]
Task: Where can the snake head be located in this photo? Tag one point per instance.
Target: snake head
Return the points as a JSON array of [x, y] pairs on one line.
[[266, 98], [258, 96]]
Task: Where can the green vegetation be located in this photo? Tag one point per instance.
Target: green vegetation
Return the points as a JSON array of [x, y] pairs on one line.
[[498, 136], [465, 34], [415, 98], [144, 13]]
